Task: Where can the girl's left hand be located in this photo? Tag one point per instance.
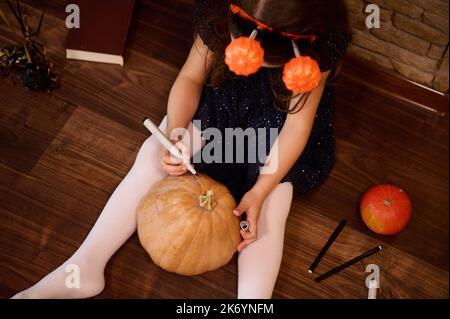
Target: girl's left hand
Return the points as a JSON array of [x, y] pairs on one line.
[[251, 205]]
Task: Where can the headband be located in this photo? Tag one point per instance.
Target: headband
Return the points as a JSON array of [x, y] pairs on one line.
[[264, 27]]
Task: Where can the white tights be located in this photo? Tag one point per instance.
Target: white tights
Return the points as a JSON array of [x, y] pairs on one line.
[[258, 264]]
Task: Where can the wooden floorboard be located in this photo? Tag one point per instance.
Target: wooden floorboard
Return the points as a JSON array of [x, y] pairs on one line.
[[63, 153]]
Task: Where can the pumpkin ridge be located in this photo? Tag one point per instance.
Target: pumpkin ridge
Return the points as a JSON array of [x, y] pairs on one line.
[[222, 253], [199, 182], [178, 218], [176, 203], [180, 262], [211, 233], [226, 225], [226, 231], [201, 263], [157, 202], [221, 188], [142, 218], [186, 190], [161, 259], [193, 182]]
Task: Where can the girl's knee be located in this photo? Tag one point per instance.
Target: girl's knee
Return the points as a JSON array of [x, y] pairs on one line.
[[149, 149], [280, 198], [276, 207], [286, 189], [147, 159]]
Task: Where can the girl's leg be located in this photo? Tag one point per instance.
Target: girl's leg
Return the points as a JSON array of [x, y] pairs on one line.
[[259, 263], [116, 224]]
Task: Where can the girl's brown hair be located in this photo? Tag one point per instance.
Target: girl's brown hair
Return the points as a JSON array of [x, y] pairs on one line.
[[302, 17]]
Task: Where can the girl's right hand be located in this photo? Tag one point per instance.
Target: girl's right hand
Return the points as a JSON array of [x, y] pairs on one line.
[[172, 165]]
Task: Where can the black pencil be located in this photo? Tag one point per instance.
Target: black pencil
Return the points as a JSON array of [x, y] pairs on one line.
[[348, 263], [326, 246]]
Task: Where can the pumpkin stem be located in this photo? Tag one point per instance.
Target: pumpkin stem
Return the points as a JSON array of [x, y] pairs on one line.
[[207, 200]]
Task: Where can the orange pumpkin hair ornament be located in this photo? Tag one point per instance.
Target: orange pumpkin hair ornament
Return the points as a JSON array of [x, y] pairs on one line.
[[244, 55], [301, 74]]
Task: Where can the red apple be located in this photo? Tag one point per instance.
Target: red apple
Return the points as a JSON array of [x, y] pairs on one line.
[[385, 209]]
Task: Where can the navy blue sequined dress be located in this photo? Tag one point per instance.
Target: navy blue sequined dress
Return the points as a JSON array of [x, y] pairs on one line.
[[247, 102]]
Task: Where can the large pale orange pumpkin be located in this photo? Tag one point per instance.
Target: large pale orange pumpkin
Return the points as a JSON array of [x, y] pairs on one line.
[[187, 226]]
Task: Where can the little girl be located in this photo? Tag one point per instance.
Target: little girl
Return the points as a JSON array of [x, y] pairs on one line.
[[208, 89]]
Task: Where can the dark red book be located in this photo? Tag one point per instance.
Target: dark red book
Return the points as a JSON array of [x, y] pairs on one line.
[[102, 35]]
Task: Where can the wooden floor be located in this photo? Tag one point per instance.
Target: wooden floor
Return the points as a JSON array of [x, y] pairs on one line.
[[62, 155]]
